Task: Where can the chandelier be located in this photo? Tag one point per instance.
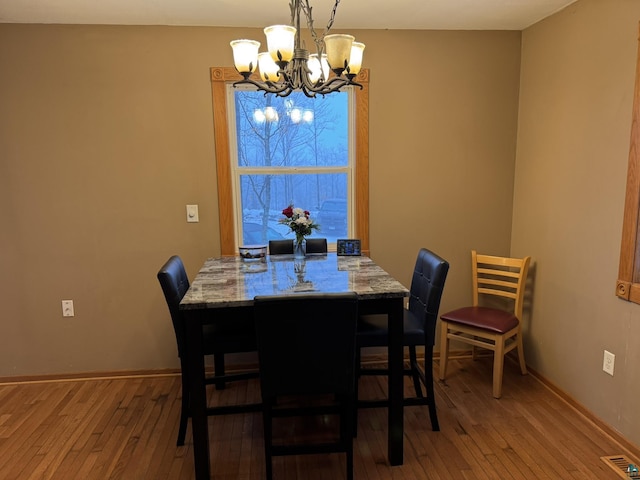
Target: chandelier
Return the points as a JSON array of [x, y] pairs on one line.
[[288, 66]]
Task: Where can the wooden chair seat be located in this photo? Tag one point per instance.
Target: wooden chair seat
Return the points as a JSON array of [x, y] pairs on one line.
[[486, 318]]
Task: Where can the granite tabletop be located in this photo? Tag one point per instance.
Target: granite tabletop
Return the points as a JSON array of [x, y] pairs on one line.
[[234, 282]]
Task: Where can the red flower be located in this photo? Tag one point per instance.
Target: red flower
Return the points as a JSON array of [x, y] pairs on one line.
[[288, 212], [299, 221]]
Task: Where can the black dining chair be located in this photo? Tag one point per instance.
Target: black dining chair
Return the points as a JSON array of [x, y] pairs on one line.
[[234, 335], [306, 350], [420, 319], [316, 245], [280, 247]]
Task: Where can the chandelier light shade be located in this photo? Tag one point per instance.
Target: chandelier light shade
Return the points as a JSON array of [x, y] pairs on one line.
[[287, 66], [355, 59], [243, 52], [338, 51], [280, 42], [268, 68], [318, 68]]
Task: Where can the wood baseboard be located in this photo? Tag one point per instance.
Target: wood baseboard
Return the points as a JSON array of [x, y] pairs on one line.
[[77, 377], [116, 374]]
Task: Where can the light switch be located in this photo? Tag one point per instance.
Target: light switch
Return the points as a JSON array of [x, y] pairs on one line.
[[67, 308], [192, 214]]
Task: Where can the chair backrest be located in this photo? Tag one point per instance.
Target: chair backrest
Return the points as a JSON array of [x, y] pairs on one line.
[[316, 245], [280, 247], [499, 278], [306, 343], [175, 283], [425, 293]]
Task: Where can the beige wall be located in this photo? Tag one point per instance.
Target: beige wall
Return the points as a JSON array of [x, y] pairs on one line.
[[576, 94], [106, 135]]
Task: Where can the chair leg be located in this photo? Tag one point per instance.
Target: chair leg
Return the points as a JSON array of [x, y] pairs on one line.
[[346, 431], [415, 373], [356, 381], [350, 462], [523, 365], [428, 385], [218, 365], [498, 366], [184, 412], [444, 349], [268, 436]]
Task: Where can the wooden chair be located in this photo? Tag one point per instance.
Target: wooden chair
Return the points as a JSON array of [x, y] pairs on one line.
[[235, 336], [494, 321], [420, 318], [306, 350], [280, 247]]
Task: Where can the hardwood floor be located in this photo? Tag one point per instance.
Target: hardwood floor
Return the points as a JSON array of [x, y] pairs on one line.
[[126, 428]]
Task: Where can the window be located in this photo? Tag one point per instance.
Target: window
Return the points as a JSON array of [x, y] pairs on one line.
[[628, 284], [292, 150], [276, 164]]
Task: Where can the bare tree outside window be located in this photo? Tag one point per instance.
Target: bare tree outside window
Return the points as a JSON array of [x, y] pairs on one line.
[[292, 150]]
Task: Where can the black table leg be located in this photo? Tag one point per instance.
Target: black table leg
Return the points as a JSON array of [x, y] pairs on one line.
[[198, 394]]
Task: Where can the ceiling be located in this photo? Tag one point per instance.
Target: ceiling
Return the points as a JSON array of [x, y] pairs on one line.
[[351, 14]]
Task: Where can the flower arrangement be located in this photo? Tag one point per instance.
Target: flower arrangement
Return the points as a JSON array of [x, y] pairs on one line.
[[299, 221]]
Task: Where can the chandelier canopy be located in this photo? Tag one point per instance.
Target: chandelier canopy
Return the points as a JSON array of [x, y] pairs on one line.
[[287, 66]]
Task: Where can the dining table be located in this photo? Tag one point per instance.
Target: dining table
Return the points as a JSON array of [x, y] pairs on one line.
[[231, 283]]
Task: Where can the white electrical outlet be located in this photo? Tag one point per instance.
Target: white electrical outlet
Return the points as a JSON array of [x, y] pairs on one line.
[[67, 308], [609, 362]]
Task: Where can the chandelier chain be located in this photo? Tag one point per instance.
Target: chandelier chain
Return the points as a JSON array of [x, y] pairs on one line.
[[306, 8]]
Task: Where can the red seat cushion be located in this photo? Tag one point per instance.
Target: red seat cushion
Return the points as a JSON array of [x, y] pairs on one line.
[[486, 318]]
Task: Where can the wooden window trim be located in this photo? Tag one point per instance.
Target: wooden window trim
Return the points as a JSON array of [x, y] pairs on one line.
[[220, 76], [628, 284]]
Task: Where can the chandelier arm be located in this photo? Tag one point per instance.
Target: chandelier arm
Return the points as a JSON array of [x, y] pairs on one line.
[[267, 87], [285, 88], [336, 83]]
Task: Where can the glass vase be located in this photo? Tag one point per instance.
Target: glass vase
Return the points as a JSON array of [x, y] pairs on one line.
[[300, 248]]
